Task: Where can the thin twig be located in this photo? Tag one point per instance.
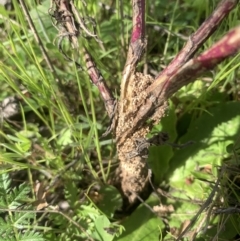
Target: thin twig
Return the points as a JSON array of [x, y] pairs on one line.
[[68, 23], [204, 206], [169, 196], [98, 80], [222, 228]]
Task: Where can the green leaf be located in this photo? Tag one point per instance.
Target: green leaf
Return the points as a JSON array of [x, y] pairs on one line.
[[159, 156], [65, 137], [24, 143], [158, 160], [14, 224], [16, 197], [21, 146], [22, 219], [143, 224], [212, 133], [101, 226], [5, 183], [111, 200], [71, 192], [42, 20], [30, 236], [5, 227]]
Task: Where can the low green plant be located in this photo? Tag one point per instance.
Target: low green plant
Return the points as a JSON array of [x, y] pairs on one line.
[[57, 170], [16, 221]]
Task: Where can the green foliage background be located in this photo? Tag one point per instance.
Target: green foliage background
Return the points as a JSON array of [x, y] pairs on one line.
[[69, 157]]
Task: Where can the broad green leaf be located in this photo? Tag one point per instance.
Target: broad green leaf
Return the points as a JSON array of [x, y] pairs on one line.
[[42, 20], [110, 201], [101, 226], [212, 133], [142, 224], [159, 156], [228, 231]]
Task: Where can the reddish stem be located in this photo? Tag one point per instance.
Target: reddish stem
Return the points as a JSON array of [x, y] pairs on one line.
[[138, 31], [95, 76], [136, 46], [98, 80], [159, 92], [223, 49], [197, 39]]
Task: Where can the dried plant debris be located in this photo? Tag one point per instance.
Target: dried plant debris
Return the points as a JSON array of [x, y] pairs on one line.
[[163, 210], [137, 89], [9, 107], [133, 149], [135, 92], [70, 24]]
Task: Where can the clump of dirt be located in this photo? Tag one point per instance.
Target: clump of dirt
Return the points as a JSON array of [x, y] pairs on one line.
[[139, 85], [136, 94], [133, 174]]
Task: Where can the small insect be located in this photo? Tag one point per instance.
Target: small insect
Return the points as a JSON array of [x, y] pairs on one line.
[[143, 144], [113, 116]]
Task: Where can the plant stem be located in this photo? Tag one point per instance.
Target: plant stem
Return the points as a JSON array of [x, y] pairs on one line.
[[68, 22], [136, 46], [197, 39]]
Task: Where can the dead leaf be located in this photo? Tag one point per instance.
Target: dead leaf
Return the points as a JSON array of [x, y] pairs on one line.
[[40, 194]]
